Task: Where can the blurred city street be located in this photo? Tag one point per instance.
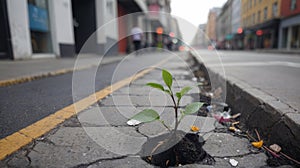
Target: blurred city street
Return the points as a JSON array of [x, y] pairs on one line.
[[73, 73]]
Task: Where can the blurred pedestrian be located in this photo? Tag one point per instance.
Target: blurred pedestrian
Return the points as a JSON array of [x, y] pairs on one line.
[[137, 35]]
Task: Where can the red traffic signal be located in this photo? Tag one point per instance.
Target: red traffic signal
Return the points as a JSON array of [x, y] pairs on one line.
[[240, 30], [259, 32], [159, 30]]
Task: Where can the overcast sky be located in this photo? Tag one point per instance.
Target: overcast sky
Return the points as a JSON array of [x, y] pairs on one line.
[[191, 13]]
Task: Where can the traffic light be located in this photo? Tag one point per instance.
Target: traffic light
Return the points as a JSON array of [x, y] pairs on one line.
[[259, 32], [240, 30], [159, 30]]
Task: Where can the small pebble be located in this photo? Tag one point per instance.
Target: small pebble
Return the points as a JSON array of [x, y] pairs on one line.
[[133, 122], [276, 148], [194, 79], [233, 162]]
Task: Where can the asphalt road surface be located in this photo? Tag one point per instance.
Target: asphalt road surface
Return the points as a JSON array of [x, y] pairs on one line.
[[23, 104]]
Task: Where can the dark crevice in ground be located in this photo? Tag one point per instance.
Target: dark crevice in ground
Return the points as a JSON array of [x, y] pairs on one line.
[[85, 165], [46, 140], [138, 131], [239, 156], [106, 125], [28, 150]]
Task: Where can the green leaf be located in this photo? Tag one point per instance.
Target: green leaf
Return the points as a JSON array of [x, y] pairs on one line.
[[192, 108], [167, 77], [156, 85], [167, 91], [178, 95], [147, 115], [185, 90]]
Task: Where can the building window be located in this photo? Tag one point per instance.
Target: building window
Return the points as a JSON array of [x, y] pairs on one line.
[[254, 3], [265, 13], [295, 43], [293, 4], [274, 9], [253, 18], [284, 38], [39, 26], [109, 7], [259, 1], [248, 21], [250, 4], [258, 16]]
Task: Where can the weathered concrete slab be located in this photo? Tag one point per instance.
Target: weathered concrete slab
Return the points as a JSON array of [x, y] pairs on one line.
[[144, 81], [226, 145], [119, 140], [69, 146], [252, 160], [148, 101], [206, 124], [127, 162], [128, 100], [144, 90], [101, 116], [19, 160]]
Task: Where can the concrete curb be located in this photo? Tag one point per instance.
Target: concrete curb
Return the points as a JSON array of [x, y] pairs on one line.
[[276, 121], [29, 78]]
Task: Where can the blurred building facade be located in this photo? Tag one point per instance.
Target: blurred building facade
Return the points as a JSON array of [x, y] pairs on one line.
[[256, 24], [63, 28], [289, 29], [224, 26], [236, 25], [50, 28], [211, 25], [229, 26], [5, 35], [129, 15], [260, 20], [200, 39]]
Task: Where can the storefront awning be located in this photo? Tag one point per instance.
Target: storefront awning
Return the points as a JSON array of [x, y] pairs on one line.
[[229, 37]]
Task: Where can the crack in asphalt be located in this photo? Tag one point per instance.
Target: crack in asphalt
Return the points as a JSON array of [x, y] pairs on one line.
[[138, 131], [84, 165], [237, 156], [102, 126]]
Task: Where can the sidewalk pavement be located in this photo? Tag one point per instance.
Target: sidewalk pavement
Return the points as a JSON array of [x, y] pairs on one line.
[[100, 137], [252, 85], [19, 71], [279, 51]]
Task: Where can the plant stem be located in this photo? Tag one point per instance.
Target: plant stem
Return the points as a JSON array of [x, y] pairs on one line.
[[288, 157], [176, 112], [163, 123]]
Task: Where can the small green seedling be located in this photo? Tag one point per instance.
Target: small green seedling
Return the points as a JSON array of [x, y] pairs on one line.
[[149, 115]]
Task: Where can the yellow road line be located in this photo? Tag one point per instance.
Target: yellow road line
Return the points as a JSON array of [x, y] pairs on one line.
[[17, 140], [23, 79]]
